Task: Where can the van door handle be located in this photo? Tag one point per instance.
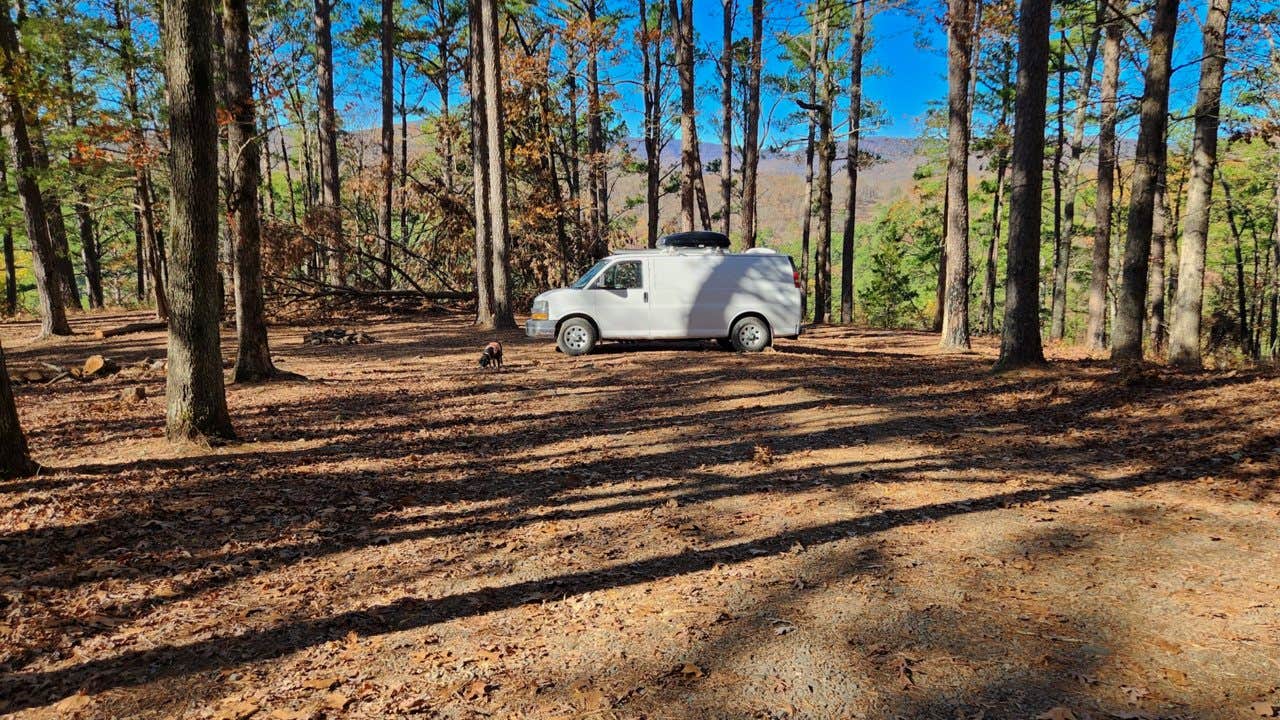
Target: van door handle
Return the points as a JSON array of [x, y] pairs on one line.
[[646, 296]]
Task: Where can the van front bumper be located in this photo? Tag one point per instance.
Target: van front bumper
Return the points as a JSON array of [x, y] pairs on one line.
[[540, 328]]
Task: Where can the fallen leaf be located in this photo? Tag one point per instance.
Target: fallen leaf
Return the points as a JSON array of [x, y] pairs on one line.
[[906, 676], [1134, 694], [320, 683], [1177, 677], [336, 701], [72, 703], [691, 671], [235, 710], [591, 698], [1057, 713], [474, 690], [1263, 709]]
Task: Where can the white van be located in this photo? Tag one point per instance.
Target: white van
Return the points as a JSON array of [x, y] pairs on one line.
[[743, 300]]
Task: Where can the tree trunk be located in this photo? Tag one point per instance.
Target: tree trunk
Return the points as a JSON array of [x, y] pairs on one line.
[[848, 240], [253, 356], [1131, 301], [596, 190], [495, 132], [10, 275], [84, 219], [650, 56], [53, 318], [1002, 165], [810, 147], [751, 131], [955, 315], [1160, 229], [1074, 168], [387, 46], [826, 155], [1099, 279], [692, 192], [330, 178], [1061, 241], [480, 170], [1020, 340], [152, 241], [69, 287], [10, 272], [726, 116], [14, 460], [1242, 315], [197, 406], [1184, 335], [149, 252]]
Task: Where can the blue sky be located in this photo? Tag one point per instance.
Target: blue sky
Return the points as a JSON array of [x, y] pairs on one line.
[[906, 68]]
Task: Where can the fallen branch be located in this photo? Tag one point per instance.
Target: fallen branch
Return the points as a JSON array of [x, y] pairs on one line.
[[104, 333]]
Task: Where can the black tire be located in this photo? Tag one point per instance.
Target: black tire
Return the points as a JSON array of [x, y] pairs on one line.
[[750, 334], [577, 336]]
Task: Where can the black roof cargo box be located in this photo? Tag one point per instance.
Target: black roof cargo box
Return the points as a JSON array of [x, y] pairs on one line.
[[695, 239]]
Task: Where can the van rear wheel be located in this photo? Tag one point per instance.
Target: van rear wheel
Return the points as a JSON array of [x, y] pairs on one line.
[[750, 334], [577, 336]]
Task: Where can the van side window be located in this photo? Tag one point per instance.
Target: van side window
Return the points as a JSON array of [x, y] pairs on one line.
[[622, 276]]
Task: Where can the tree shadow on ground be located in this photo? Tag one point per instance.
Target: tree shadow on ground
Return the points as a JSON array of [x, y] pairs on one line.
[[513, 476]]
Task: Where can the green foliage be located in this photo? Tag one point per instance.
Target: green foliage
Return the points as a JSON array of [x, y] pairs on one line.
[[887, 295]]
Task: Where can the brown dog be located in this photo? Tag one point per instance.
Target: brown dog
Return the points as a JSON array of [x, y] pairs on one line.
[[491, 356]]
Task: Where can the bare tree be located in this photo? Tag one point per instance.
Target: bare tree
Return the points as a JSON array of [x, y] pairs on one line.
[[988, 308], [253, 356], [597, 182], [751, 128], [1020, 340], [693, 194], [195, 395], [1071, 186], [856, 44], [652, 88], [1184, 337], [386, 44], [726, 115], [1099, 279], [150, 251], [53, 317], [330, 177], [1154, 117], [14, 459], [955, 316], [810, 147]]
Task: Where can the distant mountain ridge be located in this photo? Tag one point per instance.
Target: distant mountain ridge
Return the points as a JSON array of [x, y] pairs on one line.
[[888, 149]]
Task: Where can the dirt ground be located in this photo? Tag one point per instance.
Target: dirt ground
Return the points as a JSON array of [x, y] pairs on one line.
[[852, 526]]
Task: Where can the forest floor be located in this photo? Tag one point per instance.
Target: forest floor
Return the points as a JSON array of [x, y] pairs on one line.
[[853, 525]]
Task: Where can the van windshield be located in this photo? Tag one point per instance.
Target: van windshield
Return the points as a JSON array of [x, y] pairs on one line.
[[590, 275]]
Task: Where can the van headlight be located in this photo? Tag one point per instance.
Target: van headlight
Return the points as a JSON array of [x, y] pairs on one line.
[[539, 311]]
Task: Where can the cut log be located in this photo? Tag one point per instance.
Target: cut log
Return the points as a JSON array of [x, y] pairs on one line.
[[99, 366], [104, 333], [40, 373]]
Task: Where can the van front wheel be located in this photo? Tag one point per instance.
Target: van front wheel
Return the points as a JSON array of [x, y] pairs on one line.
[[577, 337], [750, 334]]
